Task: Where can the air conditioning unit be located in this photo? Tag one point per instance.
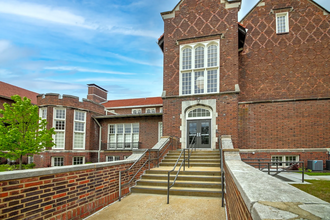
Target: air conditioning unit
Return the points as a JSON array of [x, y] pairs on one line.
[[315, 165], [328, 164]]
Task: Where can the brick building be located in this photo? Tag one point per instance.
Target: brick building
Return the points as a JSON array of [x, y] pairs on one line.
[[264, 81]]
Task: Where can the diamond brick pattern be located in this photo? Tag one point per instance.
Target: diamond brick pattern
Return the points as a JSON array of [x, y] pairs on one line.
[[200, 18], [293, 65]]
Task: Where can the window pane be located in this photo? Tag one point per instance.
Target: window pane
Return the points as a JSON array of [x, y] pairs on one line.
[[117, 158], [44, 113], [186, 59], [58, 161], [136, 128], [78, 140], [60, 125], [199, 57], [281, 24], [112, 129], [199, 82], [60, 113], [79, 116], [199, 112], [128, 128], [59, 140], [79, 126], [186, 83], [212, 56], [120, 129], [78, 160], [212, 81], [109, 158]]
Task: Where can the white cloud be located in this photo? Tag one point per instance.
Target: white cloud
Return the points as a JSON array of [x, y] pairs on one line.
[[132, 60], [10, 52], [138, 82], [79, 69], [43, 13]]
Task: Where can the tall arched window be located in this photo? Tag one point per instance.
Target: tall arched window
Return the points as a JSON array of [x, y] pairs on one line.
[[200, 68], [186, 59], [199, 57]]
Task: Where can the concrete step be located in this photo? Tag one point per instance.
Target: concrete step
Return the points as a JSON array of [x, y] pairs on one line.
[[178, 152], [184, 173], [180, 183], [192, 164], [200, 178], [194, 157], [183, 191], [167, 160]]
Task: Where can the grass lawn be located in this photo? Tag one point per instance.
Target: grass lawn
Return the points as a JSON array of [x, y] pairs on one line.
[[318, 188], [318, 174]]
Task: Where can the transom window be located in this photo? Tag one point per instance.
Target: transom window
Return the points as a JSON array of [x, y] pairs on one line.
[[199, 113], [79, 130], [59, 125], [199, 68], [282, 22]]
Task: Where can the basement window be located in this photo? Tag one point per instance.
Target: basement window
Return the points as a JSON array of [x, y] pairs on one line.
[[78, 160], [57, 161], [113, 158], [284, 161]]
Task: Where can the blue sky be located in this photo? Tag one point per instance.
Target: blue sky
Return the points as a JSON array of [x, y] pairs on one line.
[[61, 45]]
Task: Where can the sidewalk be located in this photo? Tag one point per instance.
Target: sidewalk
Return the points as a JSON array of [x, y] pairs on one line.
[[154, 207]]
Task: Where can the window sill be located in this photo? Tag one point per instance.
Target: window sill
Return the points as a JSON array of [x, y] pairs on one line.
[[284, 33]]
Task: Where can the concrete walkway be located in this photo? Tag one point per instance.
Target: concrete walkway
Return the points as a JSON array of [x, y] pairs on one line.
[[149, 206]]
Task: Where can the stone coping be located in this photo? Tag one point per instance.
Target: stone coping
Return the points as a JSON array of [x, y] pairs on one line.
[[296, 150], [267, 197], [20, 174]]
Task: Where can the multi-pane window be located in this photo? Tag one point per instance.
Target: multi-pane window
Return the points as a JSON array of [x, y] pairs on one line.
[[161, 109], [30, 159], [43, 113], [113, 158], [150, 110], [57, 161], [78, 160], [123, 136], [59, 125], [284, 161], [186, 59], [198, 113], [282, 22], [136, 111], [79, 130], [201, 74], [160, 130]]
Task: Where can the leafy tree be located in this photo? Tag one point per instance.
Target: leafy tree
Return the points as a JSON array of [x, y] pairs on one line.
[[22, 131]]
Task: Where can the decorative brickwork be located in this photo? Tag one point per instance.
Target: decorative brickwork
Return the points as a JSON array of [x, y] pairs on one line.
[[292, 65]]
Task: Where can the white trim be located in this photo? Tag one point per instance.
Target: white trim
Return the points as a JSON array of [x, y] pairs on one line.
[[98, 96], [138, 110], [286, 14], [283, 161], [54, 126], [41, 112], [233, 5], [79, 132], [160, 130], [153, 110], [134, 106]]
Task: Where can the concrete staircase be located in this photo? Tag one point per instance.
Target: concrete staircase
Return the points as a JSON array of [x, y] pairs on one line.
[[201, 179]]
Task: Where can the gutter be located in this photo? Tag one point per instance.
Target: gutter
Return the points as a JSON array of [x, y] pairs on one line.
[[100, 141]]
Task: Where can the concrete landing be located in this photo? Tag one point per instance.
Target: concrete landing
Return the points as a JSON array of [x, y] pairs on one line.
[[154, 207]]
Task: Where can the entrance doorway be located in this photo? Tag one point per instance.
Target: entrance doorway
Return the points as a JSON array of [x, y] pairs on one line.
[[201, 130]]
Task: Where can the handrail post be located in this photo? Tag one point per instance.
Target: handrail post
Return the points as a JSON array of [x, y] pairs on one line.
[[119, 186], [168, 187], [303, 171], [149, 160], [184, 160]]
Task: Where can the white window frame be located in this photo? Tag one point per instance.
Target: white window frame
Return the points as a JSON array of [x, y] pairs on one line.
[[54, 126], [286, 14], [115, 135], [151, 110], [53, 161], [136, 111], [80, 157], [161, 110], [113, 158], [160, 130], [79, 132], [284, 161], [204, 69], [42, 113], [30, 159]]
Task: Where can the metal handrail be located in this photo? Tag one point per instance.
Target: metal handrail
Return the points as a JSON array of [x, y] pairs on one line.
[[121, 171], [222, 170], [190, 150], [177, 174], [259, 163], [147, 161]]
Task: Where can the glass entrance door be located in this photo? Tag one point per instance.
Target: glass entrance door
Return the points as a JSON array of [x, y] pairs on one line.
[[201, 130]]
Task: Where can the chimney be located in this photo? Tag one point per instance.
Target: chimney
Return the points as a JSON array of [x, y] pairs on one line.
[[97, 93]]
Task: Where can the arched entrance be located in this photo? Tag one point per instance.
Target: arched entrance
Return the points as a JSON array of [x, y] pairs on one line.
[[199, 127]]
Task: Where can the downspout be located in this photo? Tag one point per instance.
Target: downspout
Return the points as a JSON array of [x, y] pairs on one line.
[[100, 141]]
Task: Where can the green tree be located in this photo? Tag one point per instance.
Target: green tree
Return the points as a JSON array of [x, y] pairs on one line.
[[22, 131]]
